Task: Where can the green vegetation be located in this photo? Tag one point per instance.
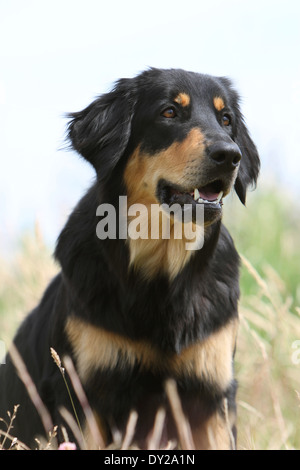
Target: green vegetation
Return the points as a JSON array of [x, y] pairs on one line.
[[267, 233]]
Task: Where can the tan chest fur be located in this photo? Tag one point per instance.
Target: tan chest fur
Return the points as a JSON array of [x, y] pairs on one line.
[[96, 349]]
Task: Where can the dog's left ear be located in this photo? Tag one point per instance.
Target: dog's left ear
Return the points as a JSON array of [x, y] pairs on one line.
[[250, 163], [100, 133]]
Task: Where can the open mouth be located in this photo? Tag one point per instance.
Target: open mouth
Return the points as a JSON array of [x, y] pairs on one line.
[[207, 195], [210, 195]]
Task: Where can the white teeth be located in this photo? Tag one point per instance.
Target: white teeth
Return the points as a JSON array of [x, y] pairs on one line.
[[219, 197], [196, 194], [204, 201]]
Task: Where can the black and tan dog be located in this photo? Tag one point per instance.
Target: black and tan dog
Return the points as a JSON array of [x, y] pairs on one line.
[[133, 312]]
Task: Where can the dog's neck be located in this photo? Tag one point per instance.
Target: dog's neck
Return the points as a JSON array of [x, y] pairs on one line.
[[91, 291]]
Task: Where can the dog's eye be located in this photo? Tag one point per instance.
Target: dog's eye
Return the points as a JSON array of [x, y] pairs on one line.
[[169, 113], [226, 119]]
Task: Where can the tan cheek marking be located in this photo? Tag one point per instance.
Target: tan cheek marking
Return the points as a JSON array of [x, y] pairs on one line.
[[141, 177], [143, 172], [183, 99], [219, 103]]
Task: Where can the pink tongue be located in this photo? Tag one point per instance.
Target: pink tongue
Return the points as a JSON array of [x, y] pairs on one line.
[[208, 195]]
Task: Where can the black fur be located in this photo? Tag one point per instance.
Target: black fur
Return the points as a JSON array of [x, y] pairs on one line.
[[95, 283]]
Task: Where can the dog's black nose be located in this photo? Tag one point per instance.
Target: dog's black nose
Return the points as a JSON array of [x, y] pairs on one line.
[[225, 154]]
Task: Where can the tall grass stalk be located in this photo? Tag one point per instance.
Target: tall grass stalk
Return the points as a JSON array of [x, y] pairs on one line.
[[57, 361]]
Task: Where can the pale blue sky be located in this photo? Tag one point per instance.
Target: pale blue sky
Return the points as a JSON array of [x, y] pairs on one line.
[[56, 56]]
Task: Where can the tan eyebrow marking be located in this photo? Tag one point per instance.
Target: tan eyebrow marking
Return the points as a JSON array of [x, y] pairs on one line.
[[183, 99], [219, 103]]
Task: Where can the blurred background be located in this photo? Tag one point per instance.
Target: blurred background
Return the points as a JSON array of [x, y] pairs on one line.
[[56, 57]]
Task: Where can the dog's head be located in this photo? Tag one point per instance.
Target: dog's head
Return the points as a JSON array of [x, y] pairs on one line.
[[180, 135], [167, 138]]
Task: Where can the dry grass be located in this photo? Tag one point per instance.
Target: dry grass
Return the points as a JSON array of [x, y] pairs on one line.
[[23, 280], [269, 378]]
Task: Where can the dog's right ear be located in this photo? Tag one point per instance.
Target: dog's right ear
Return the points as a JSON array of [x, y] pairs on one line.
[[100, 133]]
